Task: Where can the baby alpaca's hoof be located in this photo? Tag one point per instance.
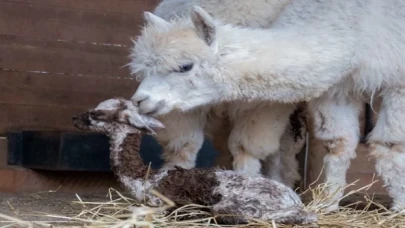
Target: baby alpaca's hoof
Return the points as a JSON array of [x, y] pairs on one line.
[[310, 218], [299, 217], [330, 207]]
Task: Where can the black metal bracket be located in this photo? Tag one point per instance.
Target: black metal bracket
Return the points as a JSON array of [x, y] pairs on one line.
[[368, 125], [61, 151], [81, 151]]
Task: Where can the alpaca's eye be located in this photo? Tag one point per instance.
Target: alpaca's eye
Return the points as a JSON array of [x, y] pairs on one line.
[[185, 68]]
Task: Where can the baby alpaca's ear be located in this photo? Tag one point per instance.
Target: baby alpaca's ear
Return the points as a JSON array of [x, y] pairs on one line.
[[152, 123], [144, 123], [204, 24], [152, 19]]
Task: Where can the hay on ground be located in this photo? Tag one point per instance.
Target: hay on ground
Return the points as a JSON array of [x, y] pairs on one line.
[[122, 211]]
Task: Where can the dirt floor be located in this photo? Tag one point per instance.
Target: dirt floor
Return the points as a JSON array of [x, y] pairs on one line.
[[38, 206]]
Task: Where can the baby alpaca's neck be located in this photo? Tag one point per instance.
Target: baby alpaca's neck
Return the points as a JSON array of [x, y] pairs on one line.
[[276, 65], [125, 157]]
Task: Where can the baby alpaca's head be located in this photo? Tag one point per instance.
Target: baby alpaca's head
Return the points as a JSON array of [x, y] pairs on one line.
[[116, 116]]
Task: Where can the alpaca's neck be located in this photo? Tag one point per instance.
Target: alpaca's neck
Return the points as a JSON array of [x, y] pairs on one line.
[[125, 158], [278, 65]]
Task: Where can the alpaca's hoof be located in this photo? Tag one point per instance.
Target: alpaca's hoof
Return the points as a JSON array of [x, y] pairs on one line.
[[397, 207]]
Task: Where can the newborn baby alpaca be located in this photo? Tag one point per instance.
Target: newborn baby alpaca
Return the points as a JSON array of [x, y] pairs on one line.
[[225, 191]]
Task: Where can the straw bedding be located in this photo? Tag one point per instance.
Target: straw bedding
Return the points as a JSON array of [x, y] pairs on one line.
[[122, 211]]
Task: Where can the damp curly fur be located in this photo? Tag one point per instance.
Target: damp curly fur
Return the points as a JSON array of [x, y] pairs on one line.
[[225, 192]]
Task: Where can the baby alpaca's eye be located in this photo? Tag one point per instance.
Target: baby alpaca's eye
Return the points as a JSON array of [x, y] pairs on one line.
[[185, 68]]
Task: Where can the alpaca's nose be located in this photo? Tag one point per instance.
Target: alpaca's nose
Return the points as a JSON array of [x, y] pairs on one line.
[[138, 99]]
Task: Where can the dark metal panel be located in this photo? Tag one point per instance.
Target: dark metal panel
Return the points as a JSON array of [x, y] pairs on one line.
[[78, 151]]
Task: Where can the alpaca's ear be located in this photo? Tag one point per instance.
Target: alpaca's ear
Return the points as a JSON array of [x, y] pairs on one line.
[[204, 24], [150, 18]]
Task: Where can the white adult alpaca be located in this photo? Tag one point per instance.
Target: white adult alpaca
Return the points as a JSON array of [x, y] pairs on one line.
[[332, 53], [247, 13], [259, 131]]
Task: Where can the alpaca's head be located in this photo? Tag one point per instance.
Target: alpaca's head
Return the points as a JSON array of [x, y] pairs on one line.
[[176, 62], [116, 116]]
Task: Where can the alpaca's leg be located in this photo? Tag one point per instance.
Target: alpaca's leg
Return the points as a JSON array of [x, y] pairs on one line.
[[387, 143], [256, 134], [288, 168], [272, 167], [220, 138], [336, 123], [289, 163], [283, 166], [181, 139]]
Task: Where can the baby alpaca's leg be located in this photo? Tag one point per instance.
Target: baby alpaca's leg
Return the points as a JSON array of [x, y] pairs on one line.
[[336, 123], [387, 143], [181, 139], [256, 134]]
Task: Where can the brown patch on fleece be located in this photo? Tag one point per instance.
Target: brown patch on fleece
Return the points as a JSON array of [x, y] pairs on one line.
[[190, 186], [335, 146], [130, 163], [298, 120]]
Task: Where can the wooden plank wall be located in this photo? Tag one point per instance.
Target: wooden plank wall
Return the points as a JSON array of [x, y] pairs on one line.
[[58, 58]]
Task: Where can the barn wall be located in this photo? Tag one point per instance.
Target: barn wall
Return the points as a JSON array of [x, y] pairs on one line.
[[59, 58]]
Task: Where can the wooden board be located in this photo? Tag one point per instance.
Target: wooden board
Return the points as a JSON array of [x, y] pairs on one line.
[[117, 6], [47, 101], [23, 88], [72, 20], [51, 97], [27, 54], [35, 117], [66, 82], [21, 180], [57, 59]]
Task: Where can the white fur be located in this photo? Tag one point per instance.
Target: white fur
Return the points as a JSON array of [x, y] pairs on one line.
[[286, 203], [337, 51], [247, 13], [336, 123], [257, 129]]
